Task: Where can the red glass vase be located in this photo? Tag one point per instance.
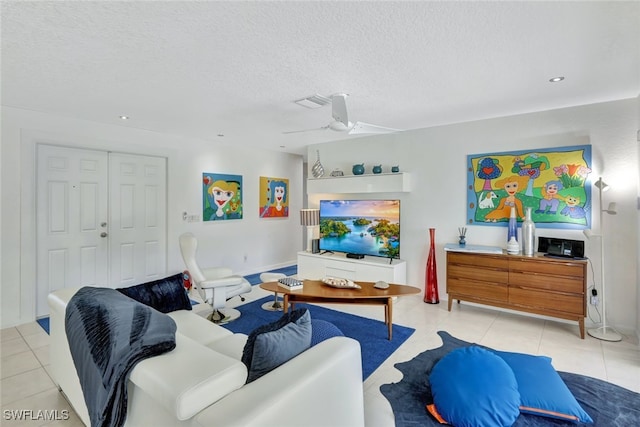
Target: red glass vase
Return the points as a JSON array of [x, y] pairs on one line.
[[431, 274]]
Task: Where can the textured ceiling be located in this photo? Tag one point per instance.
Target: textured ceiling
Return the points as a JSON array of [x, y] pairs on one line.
[[201, 69]]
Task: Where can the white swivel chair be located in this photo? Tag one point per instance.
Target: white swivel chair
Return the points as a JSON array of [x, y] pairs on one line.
[[215, 285]]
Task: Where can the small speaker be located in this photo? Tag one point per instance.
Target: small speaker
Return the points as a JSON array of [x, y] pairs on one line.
[[561, 247], [315, 246], [355, 256]]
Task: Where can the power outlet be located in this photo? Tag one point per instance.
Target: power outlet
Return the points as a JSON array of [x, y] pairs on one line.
[[595, 300]]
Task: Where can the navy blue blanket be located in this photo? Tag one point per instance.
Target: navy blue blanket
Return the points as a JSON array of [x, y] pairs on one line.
[[108, 334]]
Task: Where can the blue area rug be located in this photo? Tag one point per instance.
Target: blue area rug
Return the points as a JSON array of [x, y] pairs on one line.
[[44, 323], [254, 279], [607, 404], [372, 334]]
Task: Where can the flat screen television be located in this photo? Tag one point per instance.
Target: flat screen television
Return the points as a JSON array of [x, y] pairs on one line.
[[360, 227]]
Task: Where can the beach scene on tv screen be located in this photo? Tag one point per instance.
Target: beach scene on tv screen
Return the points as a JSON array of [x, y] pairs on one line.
[[365, 227]]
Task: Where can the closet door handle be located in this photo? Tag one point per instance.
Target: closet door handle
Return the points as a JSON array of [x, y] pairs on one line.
[[103, 234]]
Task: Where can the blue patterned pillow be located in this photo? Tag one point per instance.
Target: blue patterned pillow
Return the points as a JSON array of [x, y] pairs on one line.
[[165, 295], [273, 344], [322, 330]]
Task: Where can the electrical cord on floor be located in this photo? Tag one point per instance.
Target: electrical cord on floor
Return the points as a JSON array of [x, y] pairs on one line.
[[590, 290]]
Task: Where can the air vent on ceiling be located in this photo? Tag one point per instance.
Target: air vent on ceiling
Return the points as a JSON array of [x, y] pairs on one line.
[[313, 101]]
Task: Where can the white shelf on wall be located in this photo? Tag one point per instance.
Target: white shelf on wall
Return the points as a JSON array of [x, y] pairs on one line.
[[367, 183]]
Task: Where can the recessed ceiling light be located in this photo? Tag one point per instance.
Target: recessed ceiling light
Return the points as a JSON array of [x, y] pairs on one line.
[[124, 117], [556, 79], [221, 135]]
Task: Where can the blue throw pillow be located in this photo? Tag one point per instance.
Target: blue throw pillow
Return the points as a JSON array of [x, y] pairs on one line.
[[271, 345], [165, 295], [472, 386], [322, 330], [542, 391]]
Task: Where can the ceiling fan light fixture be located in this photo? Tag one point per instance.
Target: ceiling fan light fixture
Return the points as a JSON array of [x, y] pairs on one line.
[[313, 101], [339, 126]]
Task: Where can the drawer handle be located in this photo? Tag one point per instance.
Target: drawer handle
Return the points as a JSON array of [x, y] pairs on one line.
[[554, 276], [479, 267], [527, 288]]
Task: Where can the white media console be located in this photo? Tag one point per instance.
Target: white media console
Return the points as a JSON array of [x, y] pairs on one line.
[[369, 269]]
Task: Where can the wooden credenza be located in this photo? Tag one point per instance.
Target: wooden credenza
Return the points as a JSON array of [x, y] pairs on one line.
[[534, 284]]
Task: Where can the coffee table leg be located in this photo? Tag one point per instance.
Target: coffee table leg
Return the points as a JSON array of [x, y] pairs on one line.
[[390, 318], [286, 303]]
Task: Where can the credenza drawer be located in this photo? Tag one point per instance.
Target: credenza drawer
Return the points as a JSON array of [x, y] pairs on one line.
[[546, 282], [483, 290], [477, 273], [478, 260], [552, 268], [567, 303]]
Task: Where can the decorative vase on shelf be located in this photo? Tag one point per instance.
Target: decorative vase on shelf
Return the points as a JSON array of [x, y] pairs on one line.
[[431, 275], [317, 170], [512, 233], [377, 169], [358, 169], [528, 234]]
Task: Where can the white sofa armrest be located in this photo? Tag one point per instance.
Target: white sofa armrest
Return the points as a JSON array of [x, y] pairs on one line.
[[318, 388], [189, 378]]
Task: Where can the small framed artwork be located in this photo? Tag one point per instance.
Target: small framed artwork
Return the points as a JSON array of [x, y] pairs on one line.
[[221, 196], [274, 197]]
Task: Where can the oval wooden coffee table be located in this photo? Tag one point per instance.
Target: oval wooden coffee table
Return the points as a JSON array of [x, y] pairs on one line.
[[316, 291]]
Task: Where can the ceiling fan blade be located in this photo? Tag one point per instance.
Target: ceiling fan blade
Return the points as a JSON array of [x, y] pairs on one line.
[[361, 128], [306, 130], [339, 108]]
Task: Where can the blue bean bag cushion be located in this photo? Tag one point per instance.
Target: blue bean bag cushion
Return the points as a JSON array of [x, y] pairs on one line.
[[273, 344], [472, 386], [542, 391]]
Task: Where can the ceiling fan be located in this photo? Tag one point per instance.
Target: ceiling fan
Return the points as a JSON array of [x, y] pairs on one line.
[[341, 121]]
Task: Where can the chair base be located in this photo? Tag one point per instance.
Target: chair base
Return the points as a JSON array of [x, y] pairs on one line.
[[276, 305], [220, 317]]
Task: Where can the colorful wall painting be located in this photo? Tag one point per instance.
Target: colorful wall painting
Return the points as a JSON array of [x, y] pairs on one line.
[[553, 182], [274, 197], [221, 196]]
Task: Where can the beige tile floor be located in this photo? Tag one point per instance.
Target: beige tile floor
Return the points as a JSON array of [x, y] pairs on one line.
[[26, 384]]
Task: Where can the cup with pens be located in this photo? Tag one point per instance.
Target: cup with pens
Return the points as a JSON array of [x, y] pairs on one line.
[[462, 232]]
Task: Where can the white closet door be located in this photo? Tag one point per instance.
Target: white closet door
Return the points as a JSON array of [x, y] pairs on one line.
[[101, 220], [137, 199], [72, 243]]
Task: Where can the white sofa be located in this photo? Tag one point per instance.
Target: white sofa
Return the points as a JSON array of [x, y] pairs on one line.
[[202, 381]]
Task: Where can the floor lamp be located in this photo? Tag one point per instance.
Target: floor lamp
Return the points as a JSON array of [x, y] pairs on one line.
[[604, 332], [311, 219]]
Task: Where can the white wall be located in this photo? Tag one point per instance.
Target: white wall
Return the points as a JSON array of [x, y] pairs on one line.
[[267, 243], [436, 157], [638, 219]]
